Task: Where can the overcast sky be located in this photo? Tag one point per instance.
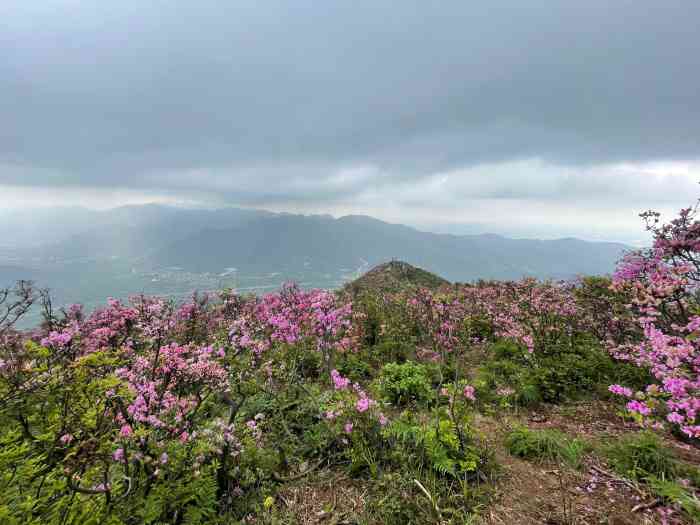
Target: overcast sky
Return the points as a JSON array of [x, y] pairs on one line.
[[535, 118]]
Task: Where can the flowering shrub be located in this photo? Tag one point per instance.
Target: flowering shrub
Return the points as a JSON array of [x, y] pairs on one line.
[[149, 411], [662, 283]]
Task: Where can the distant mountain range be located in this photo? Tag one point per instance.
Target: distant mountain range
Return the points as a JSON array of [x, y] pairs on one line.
[[255, 241], [326, 244]]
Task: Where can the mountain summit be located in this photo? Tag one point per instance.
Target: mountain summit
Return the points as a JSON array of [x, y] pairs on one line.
[[394, 276]]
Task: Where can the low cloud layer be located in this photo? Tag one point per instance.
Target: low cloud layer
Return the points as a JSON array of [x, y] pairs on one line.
[[407, 110]]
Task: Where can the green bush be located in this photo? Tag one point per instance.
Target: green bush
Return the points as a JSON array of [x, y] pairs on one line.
[[405, 382], [391, 350], [355, 366], [509, 350], [566, 376], [480, 328], [507, 382], [548, 445], [561, 373], [643, 457]]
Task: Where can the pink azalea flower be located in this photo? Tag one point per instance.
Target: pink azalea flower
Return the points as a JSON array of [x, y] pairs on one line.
[[362, 404], [469, 393], [118, 455]]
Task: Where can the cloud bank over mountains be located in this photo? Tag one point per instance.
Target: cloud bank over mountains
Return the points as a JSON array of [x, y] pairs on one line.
[[503, 114]]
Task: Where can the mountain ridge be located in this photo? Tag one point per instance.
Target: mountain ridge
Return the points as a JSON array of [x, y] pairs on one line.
[[326, 244], [257, 241]]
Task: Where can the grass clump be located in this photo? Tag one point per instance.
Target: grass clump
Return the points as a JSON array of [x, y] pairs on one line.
[[545, 445], [642, 455], [675, 493]]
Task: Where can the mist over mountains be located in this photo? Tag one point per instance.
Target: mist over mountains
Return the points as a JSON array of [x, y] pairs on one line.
[[326, 245], [85, 255]]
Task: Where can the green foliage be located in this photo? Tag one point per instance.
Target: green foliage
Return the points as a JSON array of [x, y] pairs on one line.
[[406, 382], [480, 328], [355, 366], [387, 350], [192, 497], [602, 304], [395, 501], [563, 372], [447, 447], [385, 326], [547, 445], [642, 455], [508, 350], [507, 382], [675, 493], [276, 418], [568, 375]]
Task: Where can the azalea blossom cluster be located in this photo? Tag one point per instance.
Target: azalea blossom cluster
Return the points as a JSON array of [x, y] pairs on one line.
[[353, 403], [289, 317], [533, 313], [161, 388], [663, 283], [107, 327], [440, 318]]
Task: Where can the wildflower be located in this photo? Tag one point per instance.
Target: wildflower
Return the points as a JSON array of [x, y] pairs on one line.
[[620, 390], [639, 407], [362, 404], [339, 382], [469, 393]]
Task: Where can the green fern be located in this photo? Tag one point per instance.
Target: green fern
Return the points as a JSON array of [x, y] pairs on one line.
[[438, 442]]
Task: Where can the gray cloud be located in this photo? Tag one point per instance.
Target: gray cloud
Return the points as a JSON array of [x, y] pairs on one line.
[[319, 102]]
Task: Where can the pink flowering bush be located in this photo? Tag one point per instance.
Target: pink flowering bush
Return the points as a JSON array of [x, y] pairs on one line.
[[352, 408], [662, 283], [538, 315], [152, 411]]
